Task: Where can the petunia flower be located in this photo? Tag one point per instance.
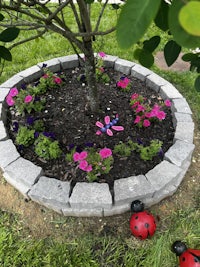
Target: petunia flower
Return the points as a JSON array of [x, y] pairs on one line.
[[146, 123], [167, 103], [105, 153], [10, 101], [13, 92], [28, 99], [102, 54], [57, 80], [80, 156]]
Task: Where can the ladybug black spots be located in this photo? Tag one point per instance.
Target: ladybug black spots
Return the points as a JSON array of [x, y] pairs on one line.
[[136, 217], [183, 259], [146, 225]]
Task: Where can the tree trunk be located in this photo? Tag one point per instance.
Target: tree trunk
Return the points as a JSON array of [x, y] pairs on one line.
[[93, 95]]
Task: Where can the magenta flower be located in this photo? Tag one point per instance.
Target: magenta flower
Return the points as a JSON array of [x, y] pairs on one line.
[[161, 115], [123, 82], [140, 108], [146, 123], [105, 153], [134, 96], [137, 119], [45, 76], [57, 80], [28, 99], [80, 156], [10, 101], [167, 103], [102, 54], [13, 92], [83, 165]]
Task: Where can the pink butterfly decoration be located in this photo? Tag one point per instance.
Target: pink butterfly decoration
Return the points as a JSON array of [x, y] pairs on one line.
[[106, 128]]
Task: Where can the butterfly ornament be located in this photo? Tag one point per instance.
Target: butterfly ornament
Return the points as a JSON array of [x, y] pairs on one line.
[[108, 126]]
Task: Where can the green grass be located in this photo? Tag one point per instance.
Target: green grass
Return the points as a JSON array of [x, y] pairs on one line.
[[97, 251], [18, 249]]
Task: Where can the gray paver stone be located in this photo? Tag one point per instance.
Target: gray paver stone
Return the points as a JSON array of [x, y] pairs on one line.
[[140, 72], [1, 111], [3, 93], [119, 209], [53, 65], [51, 193], [69, 62], [168, 91], [83, 212], [180, 105], [154, 81], [181, 117], [31, 74], [8, 153], [22, 174], [91, 195], [14, 81], [163, 174], [179, 153], [184, 131], [3, 134], [109, 61], [123, 66], [131, 188]]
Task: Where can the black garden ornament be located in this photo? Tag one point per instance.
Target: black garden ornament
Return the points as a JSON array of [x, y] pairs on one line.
[[187, 257]]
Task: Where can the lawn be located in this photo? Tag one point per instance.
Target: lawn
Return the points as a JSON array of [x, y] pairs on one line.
[[50, 240]]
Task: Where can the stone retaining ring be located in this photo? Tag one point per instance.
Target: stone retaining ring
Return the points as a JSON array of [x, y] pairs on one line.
[[95, 199]]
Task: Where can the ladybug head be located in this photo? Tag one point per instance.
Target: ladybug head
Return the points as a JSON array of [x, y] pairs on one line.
[[178, 247], [137, 206]]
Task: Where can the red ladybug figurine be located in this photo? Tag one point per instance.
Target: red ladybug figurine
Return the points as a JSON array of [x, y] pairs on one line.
[[187, 257], [142, 223]]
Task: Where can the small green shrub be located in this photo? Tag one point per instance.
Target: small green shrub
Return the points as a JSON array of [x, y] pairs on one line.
[[25, 136], [46, 148]]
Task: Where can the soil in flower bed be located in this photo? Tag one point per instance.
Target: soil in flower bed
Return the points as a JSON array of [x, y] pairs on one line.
[[66, 114]]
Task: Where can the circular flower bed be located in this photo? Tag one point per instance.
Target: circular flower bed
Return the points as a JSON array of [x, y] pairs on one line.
[[51, 125]]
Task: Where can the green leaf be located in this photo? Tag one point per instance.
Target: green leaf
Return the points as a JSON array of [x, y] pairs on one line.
[[189, 57], [197, 84], [134, 20], [179, 34], [146, 58], [5, 53], [136, 53], [161, 20], [171, 52], [151, 44], [189, 18], [1, 17], [115, 6], [9, 34]]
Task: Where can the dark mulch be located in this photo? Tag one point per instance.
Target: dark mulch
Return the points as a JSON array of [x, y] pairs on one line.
[[66, 114]]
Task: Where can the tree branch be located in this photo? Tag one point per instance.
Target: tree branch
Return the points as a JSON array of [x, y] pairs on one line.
[[100, 16]]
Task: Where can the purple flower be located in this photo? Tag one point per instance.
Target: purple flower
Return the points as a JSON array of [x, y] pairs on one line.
[[23, 86], [15, 126], [79, 149], [36, 134], [30, 120], [44, 65], [71, 146], [89, 144], [49, 134]]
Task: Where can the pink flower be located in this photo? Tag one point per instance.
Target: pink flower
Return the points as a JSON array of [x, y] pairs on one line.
[[123, 83], [83, 165], [105, 153], [102, 54], [28, 99], [89, 168], [146, 123], [137, 119], [9, 100], [57, 80], [140, 108], [80, 156], [161, 115], [45, 76], [167, 103], [13, 92], [134, 96]]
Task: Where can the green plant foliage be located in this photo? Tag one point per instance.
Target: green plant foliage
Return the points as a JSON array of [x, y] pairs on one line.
[[146, 152], [9, 34], [189, 17], [146, 58], [171, 52], [179, 34], [5, 53], [25, 136], [134, 20], [197, 84], [46, 148], [39, 126], [161, 19], [151, 44]]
